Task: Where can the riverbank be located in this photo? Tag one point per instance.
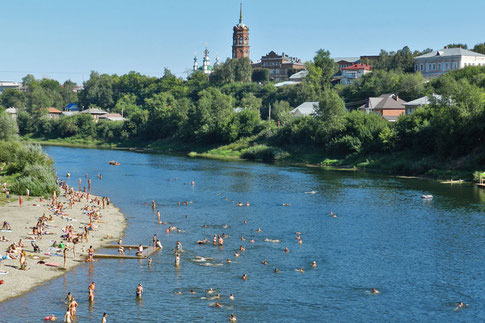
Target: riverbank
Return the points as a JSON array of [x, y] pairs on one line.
[[396, 164], [23, 218]]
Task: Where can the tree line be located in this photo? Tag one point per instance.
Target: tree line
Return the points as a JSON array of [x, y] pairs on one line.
[[236, 103]]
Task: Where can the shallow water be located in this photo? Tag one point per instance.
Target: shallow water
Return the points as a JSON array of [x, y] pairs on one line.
[[424, 256]]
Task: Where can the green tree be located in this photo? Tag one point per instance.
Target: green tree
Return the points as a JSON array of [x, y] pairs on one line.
[[126, 105], [250, 101], [479, 48], [98, 90], [8, 126], [260, 75]]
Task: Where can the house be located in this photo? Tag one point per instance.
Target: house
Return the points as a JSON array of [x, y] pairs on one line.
[[5, 85], [305, 109], [389, 106], [12, 112], [436, 63], [294, 79], [279, 66], [343, 62], [353, 72], [94, 112], [72, 107], [411, 106], [111, 117], [53, 113]]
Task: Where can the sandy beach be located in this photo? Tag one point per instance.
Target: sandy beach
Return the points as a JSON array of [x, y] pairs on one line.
[[22, 218]]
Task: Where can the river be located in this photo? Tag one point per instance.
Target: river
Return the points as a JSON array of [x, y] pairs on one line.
[[424, 256]]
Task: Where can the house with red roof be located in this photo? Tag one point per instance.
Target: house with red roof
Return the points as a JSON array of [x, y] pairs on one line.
[[53, 113], [354, 71], [389, 106]]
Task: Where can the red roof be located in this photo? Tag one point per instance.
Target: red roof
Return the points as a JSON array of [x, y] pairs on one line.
[[54, 110], [358, 67]]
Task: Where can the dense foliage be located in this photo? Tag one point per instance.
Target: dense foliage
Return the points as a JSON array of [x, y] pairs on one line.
[[237, 104]]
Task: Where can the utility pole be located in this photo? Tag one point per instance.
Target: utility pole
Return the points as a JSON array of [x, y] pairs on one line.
[[269, 112]]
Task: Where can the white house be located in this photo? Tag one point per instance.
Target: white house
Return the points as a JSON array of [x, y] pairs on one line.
[[411, 106], [305, 109], [4, 85], [436, 63], [350, 73], [12, 112]]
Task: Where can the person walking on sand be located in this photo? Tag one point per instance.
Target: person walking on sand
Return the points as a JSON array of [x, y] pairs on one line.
[[65, 257], [21, 199]]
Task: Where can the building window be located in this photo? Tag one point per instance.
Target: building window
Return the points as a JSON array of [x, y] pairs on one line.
[[421, 67], [416, 67], [446, 66], [439, 67]]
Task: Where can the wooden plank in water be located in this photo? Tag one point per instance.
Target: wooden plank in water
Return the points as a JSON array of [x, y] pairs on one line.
[[126, 246], [113, 256], [147, 252]]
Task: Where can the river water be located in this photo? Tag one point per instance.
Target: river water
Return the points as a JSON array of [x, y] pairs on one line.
[[423, 255]]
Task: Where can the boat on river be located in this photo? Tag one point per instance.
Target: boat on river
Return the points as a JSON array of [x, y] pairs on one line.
[[114, 163], [426, 197]]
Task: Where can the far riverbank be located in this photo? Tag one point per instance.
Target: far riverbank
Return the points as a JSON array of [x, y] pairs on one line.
[[401, 164]]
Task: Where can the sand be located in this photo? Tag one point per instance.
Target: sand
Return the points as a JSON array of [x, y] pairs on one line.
[[23, 218]]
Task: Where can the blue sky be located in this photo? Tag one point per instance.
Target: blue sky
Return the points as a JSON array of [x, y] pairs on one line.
[[64, 39]]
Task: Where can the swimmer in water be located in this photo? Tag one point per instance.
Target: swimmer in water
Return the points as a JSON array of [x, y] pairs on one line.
[[276, 270], [242, 238], [232, 318], [149, 262], [231, 297], [259, 230], [210, 291], [139, 291], [375, 291], [236, 254], [314, 264], [287, 250], [264, 262], [301, 270], [244, 277], [333, 215], [192, 291], [245, 221], [228, 260], [242, 248], [217, 304], [247, 204]]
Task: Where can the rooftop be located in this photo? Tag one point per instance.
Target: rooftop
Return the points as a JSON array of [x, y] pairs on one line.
[[354, 67], [450, 52]]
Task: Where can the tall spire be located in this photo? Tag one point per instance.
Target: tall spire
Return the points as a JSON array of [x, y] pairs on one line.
[[240, 13]]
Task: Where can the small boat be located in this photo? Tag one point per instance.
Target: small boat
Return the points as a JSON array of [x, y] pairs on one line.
[[114, 163], [427, 197]]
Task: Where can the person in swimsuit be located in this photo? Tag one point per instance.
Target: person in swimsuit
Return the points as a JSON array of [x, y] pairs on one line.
[[139, 290], [90, 253], [67, 317], [91, 291], [154, 241], [103, 320], [158, 217]]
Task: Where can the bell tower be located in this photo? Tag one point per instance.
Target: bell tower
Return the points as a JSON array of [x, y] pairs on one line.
[[240, 38]]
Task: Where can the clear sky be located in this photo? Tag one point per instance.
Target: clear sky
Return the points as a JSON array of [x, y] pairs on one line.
[[66, 39]]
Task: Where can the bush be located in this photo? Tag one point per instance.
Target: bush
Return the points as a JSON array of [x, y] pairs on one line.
[[262, 152], [39, 179]]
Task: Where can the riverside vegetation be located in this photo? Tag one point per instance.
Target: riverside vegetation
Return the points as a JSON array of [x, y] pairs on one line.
[[444, 139]]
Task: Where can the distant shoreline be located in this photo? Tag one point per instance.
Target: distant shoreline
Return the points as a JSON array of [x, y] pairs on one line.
[[445, 176]]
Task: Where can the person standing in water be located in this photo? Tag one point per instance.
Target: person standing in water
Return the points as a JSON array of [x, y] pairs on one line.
[[91, 291], [139, 291], [158, 217], [103, 320], [154, 241], [153, 205], [177, 260]]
